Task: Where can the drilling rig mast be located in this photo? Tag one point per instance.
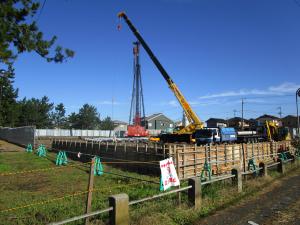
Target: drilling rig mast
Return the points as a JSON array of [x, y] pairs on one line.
[[137, 109]]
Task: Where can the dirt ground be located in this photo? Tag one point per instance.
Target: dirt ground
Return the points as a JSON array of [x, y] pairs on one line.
[[277, 204], [8, 147]]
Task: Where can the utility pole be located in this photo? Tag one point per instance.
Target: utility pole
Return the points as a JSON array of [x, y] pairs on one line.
[[234, 112], [280, 111], [242, 114]]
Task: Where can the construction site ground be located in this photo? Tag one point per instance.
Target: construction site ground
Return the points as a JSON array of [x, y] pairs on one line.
[[278, 203], [272, 200]]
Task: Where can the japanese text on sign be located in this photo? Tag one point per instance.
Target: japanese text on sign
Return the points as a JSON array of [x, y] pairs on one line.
[[168, 173]]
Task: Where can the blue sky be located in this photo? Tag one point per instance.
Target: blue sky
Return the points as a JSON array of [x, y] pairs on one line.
[[216, 51]]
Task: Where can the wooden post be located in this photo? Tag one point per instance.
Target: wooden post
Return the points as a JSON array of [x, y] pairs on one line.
[[194, 193], [90, 193], [281, 166], [252, 150], [195, 160], [178, 170], [209, 155], [244, 157], [120, 213], [184, 162], [233, 155], [264, 170], [225, 154], [237, 179], [217, 164]]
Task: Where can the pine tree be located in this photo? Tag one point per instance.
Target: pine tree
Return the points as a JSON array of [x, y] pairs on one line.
[[36, 112], [9, 109], [19, 33]]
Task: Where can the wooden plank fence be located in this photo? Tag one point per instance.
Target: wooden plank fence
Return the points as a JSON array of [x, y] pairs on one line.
[[189, 159]]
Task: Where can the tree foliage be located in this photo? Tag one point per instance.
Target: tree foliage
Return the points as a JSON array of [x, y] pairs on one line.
[[107, 124], [59, 116], [35, 112], [87, 118], [19, 33], [8, 104]]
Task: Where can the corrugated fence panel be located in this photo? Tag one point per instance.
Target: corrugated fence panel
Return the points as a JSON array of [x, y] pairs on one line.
[[19, 135], [75, 133]]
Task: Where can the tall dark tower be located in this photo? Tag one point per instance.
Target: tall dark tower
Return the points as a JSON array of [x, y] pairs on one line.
[[137, 109]]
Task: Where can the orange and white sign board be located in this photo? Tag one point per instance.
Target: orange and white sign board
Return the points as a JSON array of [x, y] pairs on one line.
[[168, 173]]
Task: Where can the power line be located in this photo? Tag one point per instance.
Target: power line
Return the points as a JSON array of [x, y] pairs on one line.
[[41, 10]]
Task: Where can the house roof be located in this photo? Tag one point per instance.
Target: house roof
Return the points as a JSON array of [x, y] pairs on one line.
[[119, 122], [290, 117], [216, 120], [267, 116], [153, 116]]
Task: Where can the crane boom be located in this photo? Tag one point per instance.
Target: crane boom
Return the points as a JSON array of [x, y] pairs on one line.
[[194, 120]]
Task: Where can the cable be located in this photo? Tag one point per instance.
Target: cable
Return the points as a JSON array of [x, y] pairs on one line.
[[66, 196], [43, 169], [41, 10]]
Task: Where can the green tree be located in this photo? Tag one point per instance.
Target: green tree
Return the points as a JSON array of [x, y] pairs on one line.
[[58, 116], [87, 118], [19, 33], [73, 120], [9, 109], [107, 124], [35, 112]]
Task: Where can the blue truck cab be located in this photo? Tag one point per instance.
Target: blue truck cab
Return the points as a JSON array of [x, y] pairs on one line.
[[215, 135]]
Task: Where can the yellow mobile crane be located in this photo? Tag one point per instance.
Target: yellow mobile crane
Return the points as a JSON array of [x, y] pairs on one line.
[[184, 134]]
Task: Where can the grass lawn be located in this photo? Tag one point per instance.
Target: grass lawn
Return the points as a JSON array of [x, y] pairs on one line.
[[29, 188]]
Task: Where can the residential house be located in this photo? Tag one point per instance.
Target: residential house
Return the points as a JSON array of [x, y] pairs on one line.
[[239, 123], [262, 119], [158, 121], [289, 121], [120, 128], [216, 122]]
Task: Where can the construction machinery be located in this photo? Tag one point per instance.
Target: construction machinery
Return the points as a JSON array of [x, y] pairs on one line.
[[137, 109], [276, 133], [185, 134]]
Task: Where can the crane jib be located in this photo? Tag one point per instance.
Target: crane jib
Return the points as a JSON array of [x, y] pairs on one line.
[[191, 115], [148, 50]]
